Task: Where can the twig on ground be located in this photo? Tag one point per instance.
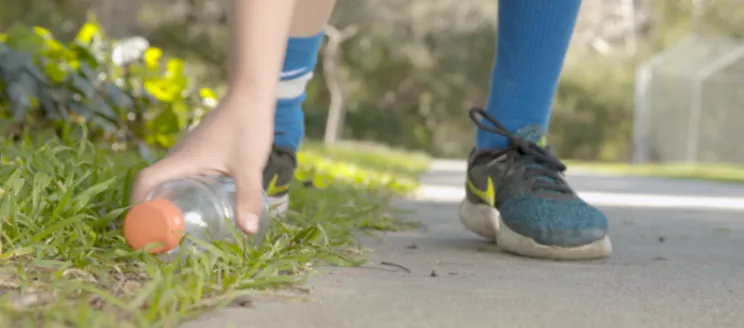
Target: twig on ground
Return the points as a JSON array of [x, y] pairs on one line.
[[407, 270]]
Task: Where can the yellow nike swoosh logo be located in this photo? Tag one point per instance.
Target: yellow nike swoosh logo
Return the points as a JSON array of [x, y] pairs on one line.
[[543, 141], [488, 195], [273, 189]]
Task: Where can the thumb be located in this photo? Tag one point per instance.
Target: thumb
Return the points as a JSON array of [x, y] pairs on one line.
[[168, 168], [249, 200]]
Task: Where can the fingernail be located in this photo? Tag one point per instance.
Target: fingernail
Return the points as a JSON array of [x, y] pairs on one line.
[[250, 222]]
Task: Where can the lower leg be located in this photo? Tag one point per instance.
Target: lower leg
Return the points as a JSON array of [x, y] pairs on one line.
[[533, 37], [519, 195], [306, 37]]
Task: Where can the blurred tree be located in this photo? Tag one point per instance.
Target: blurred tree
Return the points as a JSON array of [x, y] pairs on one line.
[[118, 18], [62, 17]]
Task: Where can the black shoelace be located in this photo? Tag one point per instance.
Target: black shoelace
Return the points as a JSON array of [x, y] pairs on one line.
[[541, 168]]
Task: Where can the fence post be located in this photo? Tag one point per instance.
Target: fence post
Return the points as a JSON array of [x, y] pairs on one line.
[[693, 132], [642, 125], [693, 123], [642, 115]]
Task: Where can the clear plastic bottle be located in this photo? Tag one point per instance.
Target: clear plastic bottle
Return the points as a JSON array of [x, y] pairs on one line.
[[202, 207]]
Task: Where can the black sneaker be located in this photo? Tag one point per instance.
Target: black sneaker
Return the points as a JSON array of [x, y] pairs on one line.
[[278, 175]]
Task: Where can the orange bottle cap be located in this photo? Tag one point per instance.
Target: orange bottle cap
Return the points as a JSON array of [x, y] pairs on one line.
[[156, 221]]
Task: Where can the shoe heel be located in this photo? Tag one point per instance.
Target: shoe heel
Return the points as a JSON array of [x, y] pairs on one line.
[[481, 219], [278, 206]]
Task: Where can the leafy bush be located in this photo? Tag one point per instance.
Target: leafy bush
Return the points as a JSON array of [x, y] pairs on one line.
[[124, 92]]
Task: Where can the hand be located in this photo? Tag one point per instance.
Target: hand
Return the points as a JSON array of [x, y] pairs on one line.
[[234, 140]]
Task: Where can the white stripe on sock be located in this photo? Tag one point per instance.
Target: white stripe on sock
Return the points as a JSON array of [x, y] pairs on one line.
[[290, 89], [287, 74]]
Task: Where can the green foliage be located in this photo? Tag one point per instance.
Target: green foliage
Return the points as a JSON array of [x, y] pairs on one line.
[[593, 110], [62, 264], [62, 17], [375, 157], [414, 68], [408, 82], [47, 84], [694, 171]]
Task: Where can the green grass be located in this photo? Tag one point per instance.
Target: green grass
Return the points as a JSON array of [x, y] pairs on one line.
[[376, 157], [703, 171], [64, 263]]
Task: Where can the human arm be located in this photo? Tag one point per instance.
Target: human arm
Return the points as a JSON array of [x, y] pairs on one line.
[[235, 138]]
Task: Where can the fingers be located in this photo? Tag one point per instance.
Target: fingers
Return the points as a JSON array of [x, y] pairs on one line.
[[249, 199], [166, 169]]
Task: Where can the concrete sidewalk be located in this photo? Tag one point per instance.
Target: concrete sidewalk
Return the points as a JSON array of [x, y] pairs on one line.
[[678, 262]]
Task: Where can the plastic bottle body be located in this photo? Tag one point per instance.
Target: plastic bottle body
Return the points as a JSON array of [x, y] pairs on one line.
[[207, 208]]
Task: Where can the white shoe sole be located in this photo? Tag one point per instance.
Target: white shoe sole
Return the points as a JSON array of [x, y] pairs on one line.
[[485, 221], [278, 206]]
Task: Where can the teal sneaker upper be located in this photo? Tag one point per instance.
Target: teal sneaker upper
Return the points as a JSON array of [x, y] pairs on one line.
[[526, 183]]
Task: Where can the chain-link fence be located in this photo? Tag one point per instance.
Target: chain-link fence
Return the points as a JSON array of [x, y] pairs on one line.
[[690, 103]]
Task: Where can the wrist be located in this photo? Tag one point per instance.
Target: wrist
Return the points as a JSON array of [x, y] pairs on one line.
[[261, 94], [249, 107]]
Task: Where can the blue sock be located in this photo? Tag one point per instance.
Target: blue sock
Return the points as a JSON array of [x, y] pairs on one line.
[[533, 38], [299, 63]]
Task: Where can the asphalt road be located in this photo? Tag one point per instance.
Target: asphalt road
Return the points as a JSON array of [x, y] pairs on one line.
[[678, 261]]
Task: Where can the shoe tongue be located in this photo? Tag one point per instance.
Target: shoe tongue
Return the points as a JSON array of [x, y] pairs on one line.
[[533, 133]]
